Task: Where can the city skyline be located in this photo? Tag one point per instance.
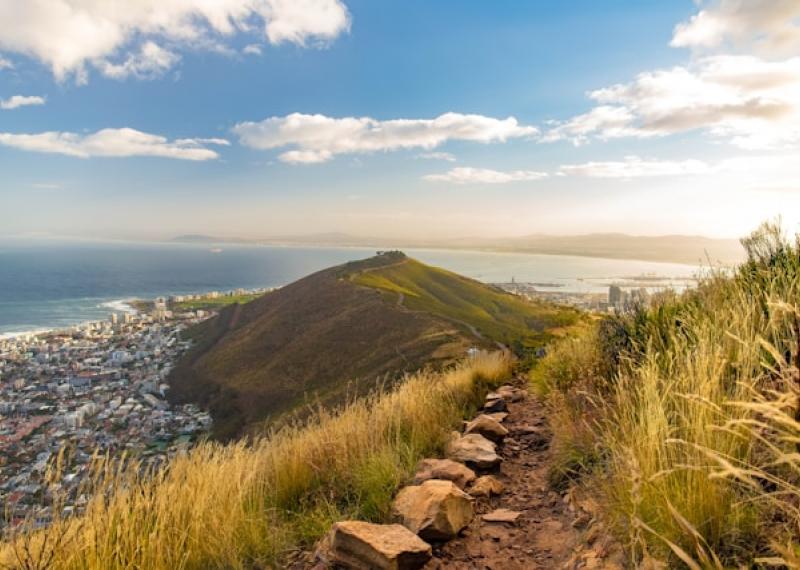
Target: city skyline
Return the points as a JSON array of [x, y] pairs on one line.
[[264, 118]]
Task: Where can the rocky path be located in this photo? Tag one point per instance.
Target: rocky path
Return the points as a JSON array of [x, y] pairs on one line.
[[545, 535], [487, 507]]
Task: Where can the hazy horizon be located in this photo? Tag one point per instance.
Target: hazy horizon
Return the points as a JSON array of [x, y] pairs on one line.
[[398, 120]]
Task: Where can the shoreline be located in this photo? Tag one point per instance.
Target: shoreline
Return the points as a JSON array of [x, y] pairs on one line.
[[115, 306]]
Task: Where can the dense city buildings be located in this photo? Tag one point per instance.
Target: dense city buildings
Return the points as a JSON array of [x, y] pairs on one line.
[[98, 388], [619, 299]]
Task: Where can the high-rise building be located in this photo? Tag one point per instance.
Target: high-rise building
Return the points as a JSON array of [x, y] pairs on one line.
[[614, 295]]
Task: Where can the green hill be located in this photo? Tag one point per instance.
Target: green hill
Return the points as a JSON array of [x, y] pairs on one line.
[[493, 313], [343, 331]]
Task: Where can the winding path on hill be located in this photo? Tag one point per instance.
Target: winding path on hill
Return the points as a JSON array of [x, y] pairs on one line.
[[553, 531], [475, 332]]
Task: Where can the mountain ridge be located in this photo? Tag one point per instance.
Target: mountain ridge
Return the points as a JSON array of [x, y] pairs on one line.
[[337, 333], [672, 248]]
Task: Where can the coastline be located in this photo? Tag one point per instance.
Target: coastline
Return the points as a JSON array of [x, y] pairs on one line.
[[115, 306]]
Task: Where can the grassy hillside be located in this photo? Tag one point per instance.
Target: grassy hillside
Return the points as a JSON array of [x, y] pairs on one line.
[[250, 506], [682, 419], [333, 335], [495, 314]]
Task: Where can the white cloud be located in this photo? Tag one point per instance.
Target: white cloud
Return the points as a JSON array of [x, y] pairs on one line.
[[305, 156], [123, 142], [252, 49], [767, 27], [745, 100], [116, 36], [17, 101], [446, 156], [5, 64], [636, 167], [317, 138], [150, 62], [732, 91], [468, 175]]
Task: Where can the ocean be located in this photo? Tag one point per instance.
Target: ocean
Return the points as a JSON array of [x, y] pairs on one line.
[[46, 284]]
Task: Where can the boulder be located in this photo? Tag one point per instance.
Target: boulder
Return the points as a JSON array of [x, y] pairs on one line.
[[364, 546], [502, 516], [498, 416], [511, 394], [436, 510], [486, 486], [494, 403], [474, 449], [445, 469], [487, 427]]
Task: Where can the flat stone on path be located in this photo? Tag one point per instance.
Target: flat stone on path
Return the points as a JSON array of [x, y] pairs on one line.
[[446, 469], [511, 394], [487, 427], [366, 546], [474, 449], [502, 516], [494, 403], [435, 510], [498, 416], [486, 486]]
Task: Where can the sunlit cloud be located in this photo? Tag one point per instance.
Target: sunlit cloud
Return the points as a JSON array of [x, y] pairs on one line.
[[446, 156], [467, 175], [768, 27], [150, 62], [18, 101], [317, 138], [635, 167], [252, 49], [744, 100], [732, 92], [123, 142], [142, 38]]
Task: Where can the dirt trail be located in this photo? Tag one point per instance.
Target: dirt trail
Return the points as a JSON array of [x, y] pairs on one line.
[[549, 533]]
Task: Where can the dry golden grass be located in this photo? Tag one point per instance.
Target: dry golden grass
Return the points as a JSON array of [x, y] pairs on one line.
[[249, 506], [690, 436]]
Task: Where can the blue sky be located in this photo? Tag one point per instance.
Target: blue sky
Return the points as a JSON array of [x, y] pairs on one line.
[[698, 136]]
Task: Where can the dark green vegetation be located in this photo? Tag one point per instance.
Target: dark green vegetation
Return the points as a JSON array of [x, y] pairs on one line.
[[209, 304], [205, 303], [342, 332], [682, 417]]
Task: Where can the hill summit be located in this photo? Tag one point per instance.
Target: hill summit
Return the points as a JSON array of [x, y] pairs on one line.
[[342, 332]]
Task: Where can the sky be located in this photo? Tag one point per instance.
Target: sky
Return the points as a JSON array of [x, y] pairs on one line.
[[146, 119]]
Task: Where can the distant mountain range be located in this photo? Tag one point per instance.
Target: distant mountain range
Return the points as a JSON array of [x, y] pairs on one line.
[[667, 248], [342, 332]]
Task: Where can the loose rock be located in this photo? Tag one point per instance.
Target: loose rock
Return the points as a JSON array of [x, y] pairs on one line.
[[435, 510], [511, 394], [486, 486], [494, 403], [487, 427], [498, 416], [446, 469], [474, 449], [502, 516], [364, 546]]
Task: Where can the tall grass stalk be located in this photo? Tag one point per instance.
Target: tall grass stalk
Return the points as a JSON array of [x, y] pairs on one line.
[[692, 429]]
